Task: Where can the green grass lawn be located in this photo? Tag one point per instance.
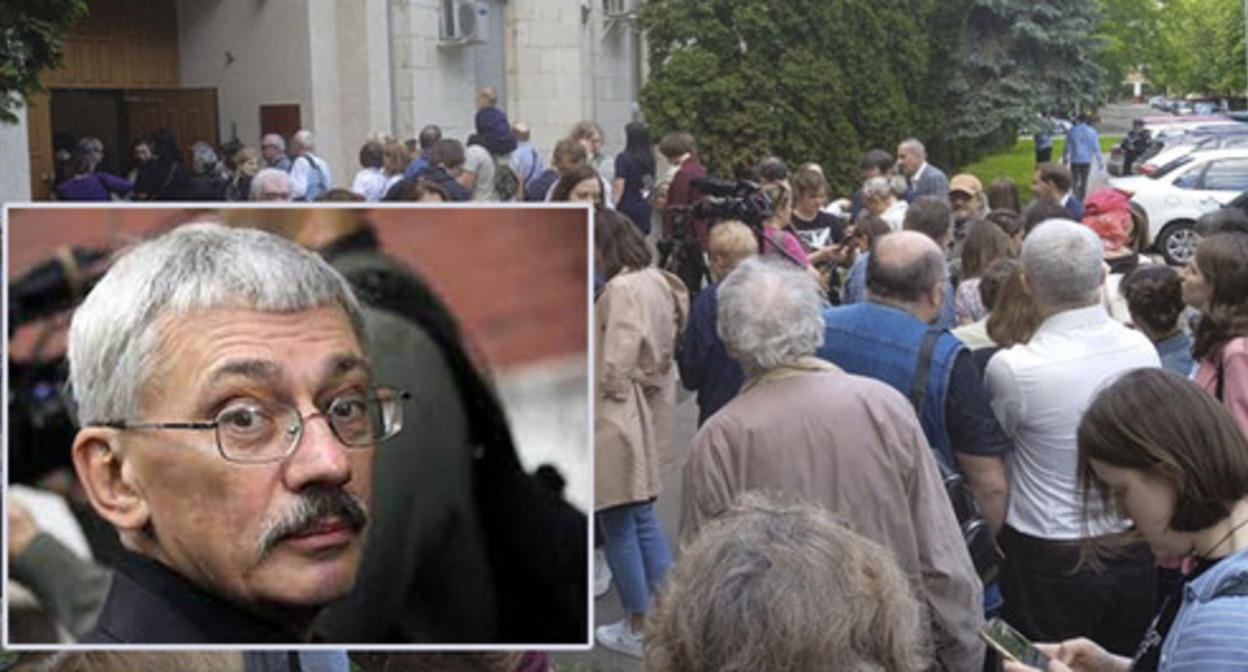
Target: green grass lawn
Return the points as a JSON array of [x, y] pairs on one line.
[[1019, 162]]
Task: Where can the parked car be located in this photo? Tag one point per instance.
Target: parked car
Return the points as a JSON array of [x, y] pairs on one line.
[[1203, 182], [1240, 202], [1169, 131], [1195, 142]]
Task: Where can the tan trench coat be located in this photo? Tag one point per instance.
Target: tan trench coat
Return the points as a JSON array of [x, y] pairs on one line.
[[638, 322]]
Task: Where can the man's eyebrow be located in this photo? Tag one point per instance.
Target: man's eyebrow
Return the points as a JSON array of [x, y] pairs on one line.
[[257, 369], [341, 365]]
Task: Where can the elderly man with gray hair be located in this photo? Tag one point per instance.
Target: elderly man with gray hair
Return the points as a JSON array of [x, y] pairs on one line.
[[850, 444], [1040, 391], [273, 147], [228, 425], [309, 173], [270, 185]]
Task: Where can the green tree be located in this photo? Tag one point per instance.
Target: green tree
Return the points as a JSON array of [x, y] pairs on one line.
[[809, 80], [1202, 46], [31, 39], [1129, 34], [1020, 57]]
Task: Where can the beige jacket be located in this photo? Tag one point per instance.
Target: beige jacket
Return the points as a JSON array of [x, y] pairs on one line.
[[853, 446], [638, 321]]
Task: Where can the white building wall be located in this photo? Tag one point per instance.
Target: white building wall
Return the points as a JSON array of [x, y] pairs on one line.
[[15, 153], [568, 67], [550, 91], [434, 83], [615, 77], [332, 59], [269, 43]]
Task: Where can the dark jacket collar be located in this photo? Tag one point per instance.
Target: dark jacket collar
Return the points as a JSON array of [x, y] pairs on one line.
[[149, 603]]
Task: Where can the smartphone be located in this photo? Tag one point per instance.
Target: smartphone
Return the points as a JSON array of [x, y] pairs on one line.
[[1012, 644]]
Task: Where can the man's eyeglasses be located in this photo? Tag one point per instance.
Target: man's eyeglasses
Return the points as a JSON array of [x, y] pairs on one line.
[[254, 432]]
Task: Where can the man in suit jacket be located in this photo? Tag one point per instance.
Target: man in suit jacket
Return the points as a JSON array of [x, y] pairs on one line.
[[925, 179], [1054, 180]]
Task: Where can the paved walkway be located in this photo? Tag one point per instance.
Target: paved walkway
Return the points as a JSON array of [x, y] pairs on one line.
[[607, 608]]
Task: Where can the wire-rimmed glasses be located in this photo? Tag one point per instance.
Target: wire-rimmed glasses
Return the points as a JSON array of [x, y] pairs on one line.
[[254, 432]]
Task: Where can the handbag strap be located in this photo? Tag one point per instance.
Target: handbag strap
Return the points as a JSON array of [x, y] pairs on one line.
[[1221, 385], [918, 392]]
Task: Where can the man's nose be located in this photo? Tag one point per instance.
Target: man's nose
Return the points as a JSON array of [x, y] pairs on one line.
[[320, 458]]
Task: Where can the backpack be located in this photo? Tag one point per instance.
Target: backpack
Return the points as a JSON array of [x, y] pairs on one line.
[[315, 186], [506, 184], [975, 530]]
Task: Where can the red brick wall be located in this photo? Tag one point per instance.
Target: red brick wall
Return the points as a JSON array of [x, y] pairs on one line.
[[517, 278]]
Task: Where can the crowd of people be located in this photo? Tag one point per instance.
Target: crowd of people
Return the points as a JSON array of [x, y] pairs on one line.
[[870, 358], [859, 364], [497, 163]]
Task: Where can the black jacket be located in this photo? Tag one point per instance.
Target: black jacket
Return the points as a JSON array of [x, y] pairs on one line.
[[149, 603], [536, 541]]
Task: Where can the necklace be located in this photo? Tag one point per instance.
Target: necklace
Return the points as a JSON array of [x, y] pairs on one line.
[[1223, 540]]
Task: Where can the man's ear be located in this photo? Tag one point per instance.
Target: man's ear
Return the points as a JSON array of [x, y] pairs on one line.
[[937, 297], [108, 479]]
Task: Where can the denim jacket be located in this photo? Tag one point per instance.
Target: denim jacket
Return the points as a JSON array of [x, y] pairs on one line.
[[882, 342], [1210, 632]]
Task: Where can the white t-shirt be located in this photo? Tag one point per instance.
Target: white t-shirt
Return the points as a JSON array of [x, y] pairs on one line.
[[1039, 392], [369, 183], [477, 160]]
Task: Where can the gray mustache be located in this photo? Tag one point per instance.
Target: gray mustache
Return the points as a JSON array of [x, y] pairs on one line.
[[312, 506]]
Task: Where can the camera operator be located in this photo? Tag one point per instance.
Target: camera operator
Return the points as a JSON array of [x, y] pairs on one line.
[[684, 237]]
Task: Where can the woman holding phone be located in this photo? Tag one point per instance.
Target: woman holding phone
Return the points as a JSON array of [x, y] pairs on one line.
[[1167, 455]]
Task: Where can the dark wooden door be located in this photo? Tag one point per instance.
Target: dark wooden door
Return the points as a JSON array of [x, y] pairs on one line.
[[189, 114], [281, 119], [39, 138]]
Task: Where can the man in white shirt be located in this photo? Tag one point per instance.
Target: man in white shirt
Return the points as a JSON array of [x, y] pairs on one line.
[[1039, 393], [309, 173]]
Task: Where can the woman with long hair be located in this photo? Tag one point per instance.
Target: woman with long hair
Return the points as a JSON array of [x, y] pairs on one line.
[[581, 184], [985, 243], [639, 318], [1155, 448], [634, 176], [1215, 282]]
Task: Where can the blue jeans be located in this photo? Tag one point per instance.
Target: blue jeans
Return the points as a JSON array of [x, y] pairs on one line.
[[637, 552]]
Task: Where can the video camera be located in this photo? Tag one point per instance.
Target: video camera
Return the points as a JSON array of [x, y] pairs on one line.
[[731, 200], [41, 422]]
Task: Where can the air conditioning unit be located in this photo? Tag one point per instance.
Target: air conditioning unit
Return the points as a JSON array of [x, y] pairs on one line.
[[461, 21], [616, 8]]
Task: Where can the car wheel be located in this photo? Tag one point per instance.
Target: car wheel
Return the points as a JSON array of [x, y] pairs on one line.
[[1177, 242]]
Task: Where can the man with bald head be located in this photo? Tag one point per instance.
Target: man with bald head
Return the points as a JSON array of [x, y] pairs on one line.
[[1040, 390], [526, 160], [889, 338], [925, 179]]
